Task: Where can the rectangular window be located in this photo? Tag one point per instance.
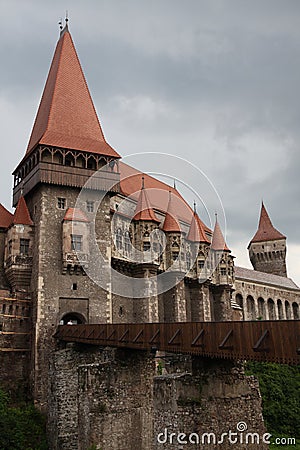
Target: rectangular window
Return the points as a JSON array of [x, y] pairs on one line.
[[76, 242], [223, 271], [200, 264], [90, 206], [61, 203], [24, 246], [175, 255], [146, 246]]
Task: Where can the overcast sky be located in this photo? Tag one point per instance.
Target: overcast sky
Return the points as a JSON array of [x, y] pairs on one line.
[[215, 82]]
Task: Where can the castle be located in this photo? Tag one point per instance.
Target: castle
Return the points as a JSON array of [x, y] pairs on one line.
[[93, 240]]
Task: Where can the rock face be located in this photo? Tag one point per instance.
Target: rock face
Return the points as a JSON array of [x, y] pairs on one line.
[[115, 400]]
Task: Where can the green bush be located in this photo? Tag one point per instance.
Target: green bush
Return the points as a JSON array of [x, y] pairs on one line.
[[22, 427], [280, 388]]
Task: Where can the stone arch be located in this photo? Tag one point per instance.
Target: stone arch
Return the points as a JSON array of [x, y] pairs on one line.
[[239, 299], [250, 307], [74, 317], [288, 312], [271, 309], [280, 310], [261, 308], [295, 308]]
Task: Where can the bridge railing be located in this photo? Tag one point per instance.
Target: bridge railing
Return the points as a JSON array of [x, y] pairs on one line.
[[273, 341]]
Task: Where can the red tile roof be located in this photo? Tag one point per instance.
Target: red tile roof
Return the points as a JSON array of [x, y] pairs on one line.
[[143, 210], [218, 242], [22, 216], [157, 193], [6, 217], [197, 230], [266, 231], [171, 223], [75, 215], [66, 116]]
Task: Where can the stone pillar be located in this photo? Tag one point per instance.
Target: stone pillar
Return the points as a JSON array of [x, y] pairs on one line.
[[222, 303]]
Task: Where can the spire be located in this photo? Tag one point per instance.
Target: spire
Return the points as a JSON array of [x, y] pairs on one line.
[[22, 216], [266, 231], [143, 210], [171, 223], [66, 116], [6, 217], [218, 242], [197, 230]]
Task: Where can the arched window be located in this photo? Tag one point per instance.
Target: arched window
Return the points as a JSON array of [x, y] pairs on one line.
[[188, 260], [295, 307], [69, 160], [91, 163], [127, 242], [261, 308], [119, 239], [250, 308], [288, 310], [280, 310], [271, 309], [239, 300]]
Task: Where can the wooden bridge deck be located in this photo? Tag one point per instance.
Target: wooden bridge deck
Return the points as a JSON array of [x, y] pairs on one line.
[[273, 341]]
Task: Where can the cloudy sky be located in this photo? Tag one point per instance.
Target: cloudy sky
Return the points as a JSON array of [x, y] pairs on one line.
[[213, 81]]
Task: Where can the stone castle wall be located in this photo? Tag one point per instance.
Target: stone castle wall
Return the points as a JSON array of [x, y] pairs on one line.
[[115, 400]]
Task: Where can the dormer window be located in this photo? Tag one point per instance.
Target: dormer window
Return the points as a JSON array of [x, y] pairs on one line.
[[24, 246]]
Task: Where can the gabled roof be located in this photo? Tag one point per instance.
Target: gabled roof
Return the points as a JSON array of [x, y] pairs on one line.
[[66, 116], [143, 210], [266, 231], [6, 217], [218, 242], [197, 231], [75, 215], [171, 223], [21, 215]]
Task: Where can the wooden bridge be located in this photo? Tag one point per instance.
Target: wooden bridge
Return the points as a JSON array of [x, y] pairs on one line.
[[273, 341]]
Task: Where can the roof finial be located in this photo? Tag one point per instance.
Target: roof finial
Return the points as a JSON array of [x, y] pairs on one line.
[[60, 24], [216, 216], [67, 18], [195, 207], [143, 182], [174, 183]]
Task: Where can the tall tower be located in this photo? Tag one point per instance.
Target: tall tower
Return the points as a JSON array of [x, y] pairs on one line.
[[267, 249], [66, 148]]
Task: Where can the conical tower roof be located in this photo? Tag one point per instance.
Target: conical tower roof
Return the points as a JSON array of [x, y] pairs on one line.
[[6, 217], [218, 242], [197, 229], [171, 223], [143, 210], [66, 116], [22, 216], [266, 231]]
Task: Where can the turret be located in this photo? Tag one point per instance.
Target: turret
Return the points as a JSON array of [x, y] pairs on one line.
[[18, 251], [267, 249]]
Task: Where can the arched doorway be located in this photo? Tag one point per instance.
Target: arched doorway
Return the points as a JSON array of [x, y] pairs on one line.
[[72, 318]]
